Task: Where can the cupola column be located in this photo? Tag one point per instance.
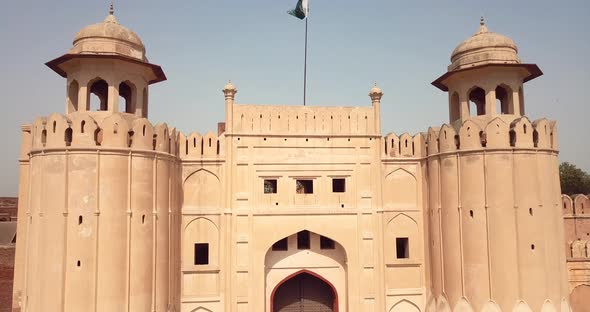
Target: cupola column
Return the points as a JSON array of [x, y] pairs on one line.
[[113, 97], [83, 97], [516, 103], [490, 105], [464, 108]]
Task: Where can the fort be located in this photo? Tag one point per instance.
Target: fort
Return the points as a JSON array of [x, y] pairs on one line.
[[288, 208]]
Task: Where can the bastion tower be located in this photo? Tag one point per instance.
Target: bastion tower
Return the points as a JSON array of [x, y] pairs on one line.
[[494, 193], [98, 192]]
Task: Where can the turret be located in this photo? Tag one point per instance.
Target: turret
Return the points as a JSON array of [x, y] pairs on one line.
[[375, 94], [494, 194], [229, 92], [99, 187], [486, 77], [108, 61]]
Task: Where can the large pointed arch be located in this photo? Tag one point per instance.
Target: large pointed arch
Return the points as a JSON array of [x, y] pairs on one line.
[[330, 263]]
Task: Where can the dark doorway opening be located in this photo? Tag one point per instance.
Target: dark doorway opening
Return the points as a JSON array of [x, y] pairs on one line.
[[304, 292]]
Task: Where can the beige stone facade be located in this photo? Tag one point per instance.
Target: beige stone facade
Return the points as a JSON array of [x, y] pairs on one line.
[[291, 207]]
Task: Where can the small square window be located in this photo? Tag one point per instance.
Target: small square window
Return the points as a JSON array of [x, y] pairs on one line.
[[270, 186], [326, 243], [304, 187], [402, 248], [339, 185], [303, 240], [201, 254], [282, 245]]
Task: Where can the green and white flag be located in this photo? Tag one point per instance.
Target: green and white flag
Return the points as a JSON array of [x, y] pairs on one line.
[[300, 10]]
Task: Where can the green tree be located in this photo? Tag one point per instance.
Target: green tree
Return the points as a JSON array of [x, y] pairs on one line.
[[573, 180]]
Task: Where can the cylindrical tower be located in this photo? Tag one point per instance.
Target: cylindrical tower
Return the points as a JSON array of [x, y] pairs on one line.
[[494, 188], [102, 201]]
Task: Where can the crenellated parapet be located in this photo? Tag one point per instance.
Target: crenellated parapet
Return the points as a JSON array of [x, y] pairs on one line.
[[197, 146], [308, 120], [576, 205], [497, 134], [404, 146], [121, 132]]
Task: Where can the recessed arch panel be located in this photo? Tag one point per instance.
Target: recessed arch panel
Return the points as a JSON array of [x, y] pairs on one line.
[[400, 189], [404, 306], [202, 190]]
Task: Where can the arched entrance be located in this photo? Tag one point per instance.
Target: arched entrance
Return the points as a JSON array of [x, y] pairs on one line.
[[304, 291]]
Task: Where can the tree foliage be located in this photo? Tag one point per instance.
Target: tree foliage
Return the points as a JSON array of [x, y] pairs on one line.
[[573, 180]]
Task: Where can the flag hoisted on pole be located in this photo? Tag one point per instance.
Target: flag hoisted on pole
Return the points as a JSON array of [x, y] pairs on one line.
[[301, 11]]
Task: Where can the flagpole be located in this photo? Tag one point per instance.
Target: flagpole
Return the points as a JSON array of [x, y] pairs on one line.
[[305, 67]]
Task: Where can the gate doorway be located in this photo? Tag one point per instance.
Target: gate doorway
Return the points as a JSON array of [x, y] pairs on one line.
[[304, 292]]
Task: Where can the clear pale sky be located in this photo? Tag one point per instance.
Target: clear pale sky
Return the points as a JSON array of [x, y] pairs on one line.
[[201, 44]]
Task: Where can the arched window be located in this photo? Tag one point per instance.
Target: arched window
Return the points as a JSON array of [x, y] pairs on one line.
[[98, 95], [145, 102], [455, 108], [68, 136], [477, 101], [504, 100], [73, 96], [127, 97]]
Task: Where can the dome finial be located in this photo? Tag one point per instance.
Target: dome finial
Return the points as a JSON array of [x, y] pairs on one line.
[[229, 89], [111, 17], [482, 26], [376, 92]]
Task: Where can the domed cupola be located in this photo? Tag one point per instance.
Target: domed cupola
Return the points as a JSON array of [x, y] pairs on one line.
[[107, 62], [484, 47], [109, 37], [485, 78]]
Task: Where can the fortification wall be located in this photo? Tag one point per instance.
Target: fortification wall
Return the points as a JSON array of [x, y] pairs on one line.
[[102, 203], [576, 217], [492, 186]]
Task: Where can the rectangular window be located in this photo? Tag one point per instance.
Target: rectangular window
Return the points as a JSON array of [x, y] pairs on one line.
[[303, 240], [402, 248], [282, 245], [304, 187], [270, 186], [338, 185], [201, 253], [326, 243]]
